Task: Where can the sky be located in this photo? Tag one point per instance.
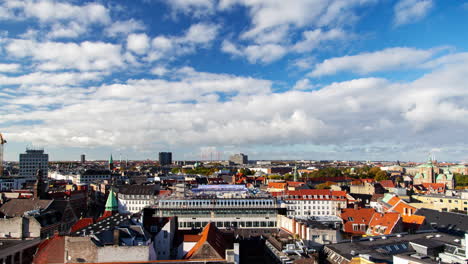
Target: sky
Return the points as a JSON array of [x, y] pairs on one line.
[[274, 79]]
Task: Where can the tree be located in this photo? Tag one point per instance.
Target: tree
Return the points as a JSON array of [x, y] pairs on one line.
[[372, 173], [381, 175], [322, 186], [460, 179]]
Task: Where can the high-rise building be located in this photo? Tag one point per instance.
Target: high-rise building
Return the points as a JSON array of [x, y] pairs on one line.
[[83, 158], [33, 160], [165, 158], [239, 159]]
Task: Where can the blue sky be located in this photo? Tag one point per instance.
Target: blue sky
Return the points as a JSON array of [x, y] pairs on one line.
[[299, 79]]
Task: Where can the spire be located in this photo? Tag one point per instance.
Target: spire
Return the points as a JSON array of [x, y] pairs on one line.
[[111, 163], [295, 173], [111, 204]]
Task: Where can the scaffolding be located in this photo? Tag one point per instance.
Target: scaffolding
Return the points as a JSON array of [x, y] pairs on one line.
[[2, 142]]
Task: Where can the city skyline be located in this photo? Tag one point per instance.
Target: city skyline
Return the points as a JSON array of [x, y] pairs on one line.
[[338, 80]]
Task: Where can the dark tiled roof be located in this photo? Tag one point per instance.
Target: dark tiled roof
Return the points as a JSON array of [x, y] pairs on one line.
[[137, 189], [451, 223], [17, 207]]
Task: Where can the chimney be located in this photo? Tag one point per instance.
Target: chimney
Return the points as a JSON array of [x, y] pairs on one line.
[[116, 237]]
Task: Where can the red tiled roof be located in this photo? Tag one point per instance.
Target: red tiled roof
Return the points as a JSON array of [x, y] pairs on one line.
[[51, 250], [387, 220], [211, 236], [440, 187], [295, 184], [80, 224], [352, 216], [277, 185], [192, 238], [387, 184]]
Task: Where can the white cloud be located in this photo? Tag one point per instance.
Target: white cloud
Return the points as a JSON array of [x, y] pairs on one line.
[[313, 38], [85, 56], [9, 67], [195, 109], [269, 52], [159, 71], [71, 30], [199, 35], [363, 63], [138, 43], [267, 15], [409, 11], [48, 10], [124, 27], [38, 78], [303, 84], [195, 7]]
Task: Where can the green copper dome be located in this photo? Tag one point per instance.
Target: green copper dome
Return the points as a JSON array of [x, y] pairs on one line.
[[112, 204]]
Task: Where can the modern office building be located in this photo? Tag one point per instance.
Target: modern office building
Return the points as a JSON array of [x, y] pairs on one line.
[[83, 158], [165, 158], [240, 159], [223, 206], [33, 160]]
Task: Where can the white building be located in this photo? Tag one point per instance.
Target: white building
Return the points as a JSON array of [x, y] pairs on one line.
[[133, 198], [308, 203], [31, 161], [89, 176]]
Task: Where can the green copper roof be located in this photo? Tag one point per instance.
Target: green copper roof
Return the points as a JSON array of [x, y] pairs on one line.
[[111, 160], [112, 204]]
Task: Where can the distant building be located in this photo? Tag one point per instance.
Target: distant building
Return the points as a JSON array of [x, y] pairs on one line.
[[240, 159], [33, 160], [133, 198], [83, 158], [165, 158]]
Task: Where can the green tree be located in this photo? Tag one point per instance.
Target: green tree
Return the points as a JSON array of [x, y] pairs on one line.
[[381, 175], [460, 179], [372, 173]]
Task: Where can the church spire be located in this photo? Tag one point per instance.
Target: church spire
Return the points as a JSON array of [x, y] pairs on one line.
[[111, 204], [111, 163]]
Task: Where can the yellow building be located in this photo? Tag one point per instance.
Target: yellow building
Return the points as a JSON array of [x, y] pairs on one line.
[[446, 203]]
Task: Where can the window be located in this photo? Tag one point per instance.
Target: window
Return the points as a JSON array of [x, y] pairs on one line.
[[350, 219], [355, 227]]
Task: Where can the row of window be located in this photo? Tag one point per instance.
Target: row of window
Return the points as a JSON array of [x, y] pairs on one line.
[[217, 202], [229, 224]]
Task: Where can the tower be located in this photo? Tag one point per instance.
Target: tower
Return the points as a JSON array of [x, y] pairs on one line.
[[295, 173], [2, 142], [38, 189], [111, 163], [112, 205]]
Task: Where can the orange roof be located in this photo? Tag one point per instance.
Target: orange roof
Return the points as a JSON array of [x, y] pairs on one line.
[[440, 187], [211, 236], [352, 216], [192, 238], [277, 185], [394, 200], [295, 184], [413, 219], [385, 222]]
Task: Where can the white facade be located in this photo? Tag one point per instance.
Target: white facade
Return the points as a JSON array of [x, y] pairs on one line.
[[31, 161], [307, 203], [91, 176], [132, 203]]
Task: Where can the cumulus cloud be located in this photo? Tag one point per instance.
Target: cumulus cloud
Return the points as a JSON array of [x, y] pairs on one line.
[[138, 43], [9, 67], [409, 11], [124, 27], [199, 35], [269, 52], [367, 62], [51, 56], [193, 108]]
